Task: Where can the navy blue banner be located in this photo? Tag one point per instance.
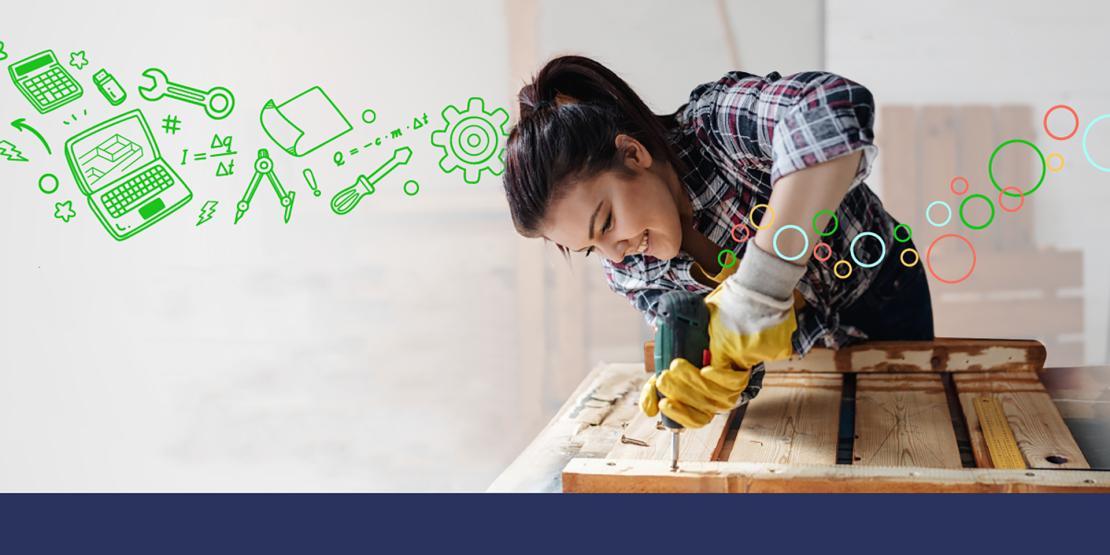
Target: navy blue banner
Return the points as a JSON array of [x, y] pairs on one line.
[[372, 523]]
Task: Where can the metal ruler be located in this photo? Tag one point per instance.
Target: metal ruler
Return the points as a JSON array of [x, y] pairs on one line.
[[1000, 440]]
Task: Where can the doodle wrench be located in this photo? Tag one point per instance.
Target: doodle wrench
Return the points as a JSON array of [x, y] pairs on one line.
[[217, 101]]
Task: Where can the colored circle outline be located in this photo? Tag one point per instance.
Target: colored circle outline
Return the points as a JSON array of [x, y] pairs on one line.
[[837, 265], [916, 259], [1056, 169], [819, 245], [767, 210], [952, 185], [852, 249], [836, 223], [1002, 205], [775, 242], [747, 232], [1040, 155], [722, 264], [929, 258], [1073, 114], [929, 210], [405, 187], [907, 228], [1086, 152], [989, 203], [56, 183]]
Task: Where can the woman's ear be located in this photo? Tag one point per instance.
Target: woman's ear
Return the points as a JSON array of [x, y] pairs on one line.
[[636, 156]]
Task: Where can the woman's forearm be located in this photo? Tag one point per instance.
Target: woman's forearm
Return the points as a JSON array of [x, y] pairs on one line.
[[797, 197]]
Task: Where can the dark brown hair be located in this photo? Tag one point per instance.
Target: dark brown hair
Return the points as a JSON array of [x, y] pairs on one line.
[[570, 115]]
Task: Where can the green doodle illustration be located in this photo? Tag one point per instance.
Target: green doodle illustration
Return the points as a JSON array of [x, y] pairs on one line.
[[217, 102], [472, 140], [207, 211], [9, 152], [77, 60], [411, 187], [64, 211], [44, 82], [346, 199], [171, 125], [303, 123], [3, 55], [310, 178], [21, 125], [127, 182], [48, 183], [264, 166], [109, 88]]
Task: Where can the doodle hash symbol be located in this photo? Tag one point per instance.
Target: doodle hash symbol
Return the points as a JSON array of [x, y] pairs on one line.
[[171, 125]]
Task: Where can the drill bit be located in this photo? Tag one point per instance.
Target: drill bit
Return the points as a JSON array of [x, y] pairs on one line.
[[674, 450]]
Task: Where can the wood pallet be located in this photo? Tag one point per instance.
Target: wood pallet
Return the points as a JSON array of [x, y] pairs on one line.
[[907, 409]]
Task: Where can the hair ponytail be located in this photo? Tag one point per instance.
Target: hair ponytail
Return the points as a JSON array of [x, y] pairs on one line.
[[570, 115]]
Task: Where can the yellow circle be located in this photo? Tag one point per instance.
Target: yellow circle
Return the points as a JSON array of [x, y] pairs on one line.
[[1048, 162], [837, 265], [751, 215], [916, 258]]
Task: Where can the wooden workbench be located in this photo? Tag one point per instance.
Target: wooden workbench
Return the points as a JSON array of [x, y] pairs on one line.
[[601, 419]]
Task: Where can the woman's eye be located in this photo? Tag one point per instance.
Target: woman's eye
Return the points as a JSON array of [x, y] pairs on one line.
[[608, 223], [588, 251]]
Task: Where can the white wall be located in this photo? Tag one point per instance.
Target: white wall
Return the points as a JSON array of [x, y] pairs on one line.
[[997, 52]]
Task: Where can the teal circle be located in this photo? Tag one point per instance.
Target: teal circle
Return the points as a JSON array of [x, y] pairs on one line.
[[852, 249], [1086, 152], [929, 211], [990, 166], [775, 242], [726, 251], [964, 203]]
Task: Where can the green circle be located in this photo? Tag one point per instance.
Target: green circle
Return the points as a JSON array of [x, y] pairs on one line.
[[836, 223], [908, 229], [721, 263], [964, 203], [467, 154], [990, 168]]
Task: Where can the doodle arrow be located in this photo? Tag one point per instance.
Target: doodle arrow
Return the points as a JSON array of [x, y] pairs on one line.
[[21, 125]]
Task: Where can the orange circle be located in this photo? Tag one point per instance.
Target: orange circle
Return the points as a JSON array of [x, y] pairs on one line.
[[929, 258], [747, 232], [1002, 194], [1073, 114], [952, 185], [827, 247]]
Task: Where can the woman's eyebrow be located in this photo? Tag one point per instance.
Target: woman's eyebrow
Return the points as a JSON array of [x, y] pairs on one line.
[[593, 218]]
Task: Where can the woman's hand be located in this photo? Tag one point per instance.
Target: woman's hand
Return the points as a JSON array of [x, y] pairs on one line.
[[692, 395]]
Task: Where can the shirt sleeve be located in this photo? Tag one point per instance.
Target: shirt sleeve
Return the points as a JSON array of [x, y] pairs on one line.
[[792, 122]]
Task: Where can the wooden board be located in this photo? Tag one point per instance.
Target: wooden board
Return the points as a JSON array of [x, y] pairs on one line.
[[793, 420], [903, 420], [939, 355], [645, 438], [640, 476], [1037, 425]]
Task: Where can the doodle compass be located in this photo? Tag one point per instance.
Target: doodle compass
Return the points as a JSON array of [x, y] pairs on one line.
[[264, 166]]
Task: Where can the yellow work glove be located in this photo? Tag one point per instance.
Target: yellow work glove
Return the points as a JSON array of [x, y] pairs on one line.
[[751, 321]]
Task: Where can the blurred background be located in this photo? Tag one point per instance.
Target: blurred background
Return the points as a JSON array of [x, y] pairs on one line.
[[417, 343]]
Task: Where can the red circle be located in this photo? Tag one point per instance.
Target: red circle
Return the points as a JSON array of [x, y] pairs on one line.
[[952, 185], [1073, 114], [747, 232], [1020, 195], [819, 245], [929, 258]]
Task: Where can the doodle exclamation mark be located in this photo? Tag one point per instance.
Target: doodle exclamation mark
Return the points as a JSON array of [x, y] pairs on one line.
[[311, 179]]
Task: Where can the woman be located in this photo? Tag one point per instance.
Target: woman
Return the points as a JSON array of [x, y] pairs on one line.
[[767, 167]]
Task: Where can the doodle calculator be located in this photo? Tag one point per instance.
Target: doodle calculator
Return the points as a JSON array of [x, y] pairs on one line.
[[44, 82]]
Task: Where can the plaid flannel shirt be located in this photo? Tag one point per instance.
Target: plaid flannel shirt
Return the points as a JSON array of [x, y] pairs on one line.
[[736, 137]]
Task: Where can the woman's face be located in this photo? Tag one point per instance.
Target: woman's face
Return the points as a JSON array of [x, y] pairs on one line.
[[618, 214]]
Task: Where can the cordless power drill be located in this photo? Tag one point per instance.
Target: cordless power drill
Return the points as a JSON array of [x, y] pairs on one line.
[[682, 331]]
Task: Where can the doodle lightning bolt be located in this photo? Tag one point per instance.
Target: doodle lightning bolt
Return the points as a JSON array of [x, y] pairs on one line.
[[9, 151], [207, 211]]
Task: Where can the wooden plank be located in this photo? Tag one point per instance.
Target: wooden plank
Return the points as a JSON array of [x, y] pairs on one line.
[[939, 355], [646, 438], [903, 420], [640, 476], [793, 420], [1042, 435]]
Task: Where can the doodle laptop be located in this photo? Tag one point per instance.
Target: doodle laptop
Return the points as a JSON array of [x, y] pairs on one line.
[[129, 185]]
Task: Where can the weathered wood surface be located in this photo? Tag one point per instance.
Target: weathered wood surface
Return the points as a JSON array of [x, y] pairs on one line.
[[903, 420], [794, 420]]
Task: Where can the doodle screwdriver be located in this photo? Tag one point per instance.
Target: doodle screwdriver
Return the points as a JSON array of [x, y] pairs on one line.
[[346, 199]]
